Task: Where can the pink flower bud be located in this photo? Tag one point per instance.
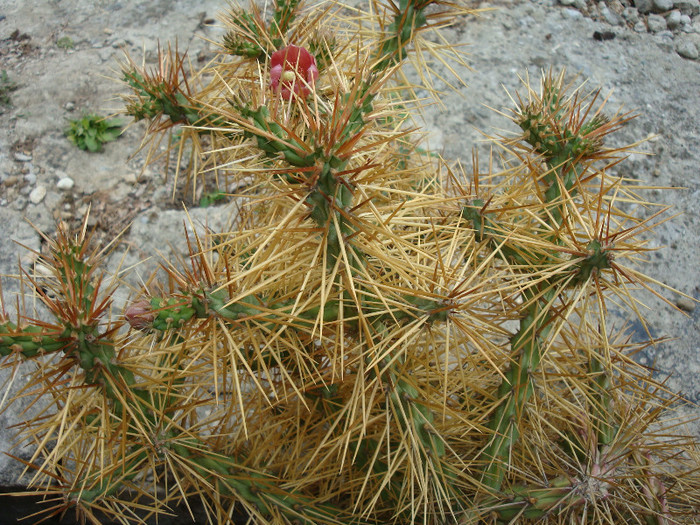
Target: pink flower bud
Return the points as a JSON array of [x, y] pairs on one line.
[[139, 315], [293, 71]]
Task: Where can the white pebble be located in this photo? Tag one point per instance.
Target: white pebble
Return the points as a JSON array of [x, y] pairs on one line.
[[656, 23], [673, 19], [65, 183], [662, 6], [572, 14], [685, 303], [22, 157], [687, 49], [37, 195]]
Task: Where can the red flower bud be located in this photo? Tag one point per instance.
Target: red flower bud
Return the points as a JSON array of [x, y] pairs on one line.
[[139, 315], [293, 71]]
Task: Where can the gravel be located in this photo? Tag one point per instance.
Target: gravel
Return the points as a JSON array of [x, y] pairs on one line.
[[687, 48]]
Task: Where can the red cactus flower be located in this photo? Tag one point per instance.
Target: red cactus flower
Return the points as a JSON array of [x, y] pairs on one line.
[[293, 71]]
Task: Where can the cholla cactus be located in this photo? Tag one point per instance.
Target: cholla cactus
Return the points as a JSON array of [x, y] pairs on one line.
[[380, 337]]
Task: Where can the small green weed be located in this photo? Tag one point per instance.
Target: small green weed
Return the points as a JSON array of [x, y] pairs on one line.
[[65, 42], [6, 87], [210, 198], [92, 131]]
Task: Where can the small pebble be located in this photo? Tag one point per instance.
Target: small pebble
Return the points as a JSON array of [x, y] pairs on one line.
[[41, 270], [573, 14], [661, 6], [610, 17], [22, 157], [578, 4], [644, 6], [11, 180], [688, 7], [631, 15], [603, 35], [70, 106], [640, 27], [685, 303], [656, 23], [65, 183], [37, 194], [665, 43], [673, 19], [687, 49]]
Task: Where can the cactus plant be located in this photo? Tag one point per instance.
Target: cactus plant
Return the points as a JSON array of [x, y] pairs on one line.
[[379, 337]]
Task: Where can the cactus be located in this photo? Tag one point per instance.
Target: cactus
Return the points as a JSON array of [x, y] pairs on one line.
[[380, 337]]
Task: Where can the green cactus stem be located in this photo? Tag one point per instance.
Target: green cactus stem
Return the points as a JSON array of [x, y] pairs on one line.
[[245, 38], [486, 228], [31, 340], [546, 125], [527, 345], [274, 140], [409, 18], [162, 314], [260, 491], [606, 427], [598, 258], [159, 99], [167, 95], [285, 13], [530, 502], [517, 388]]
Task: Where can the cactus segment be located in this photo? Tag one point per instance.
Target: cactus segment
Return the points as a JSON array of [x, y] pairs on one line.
[[409, 19], [29, 341], [274, 140], [159, 99], [285, 13], [606, 426], [524, 502], [598, 259], [546, 124], [244, 38]]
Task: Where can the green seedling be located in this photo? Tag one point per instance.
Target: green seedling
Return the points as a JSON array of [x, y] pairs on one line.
[[210, 198], [6, 87], [91, 131], [65, 42]]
